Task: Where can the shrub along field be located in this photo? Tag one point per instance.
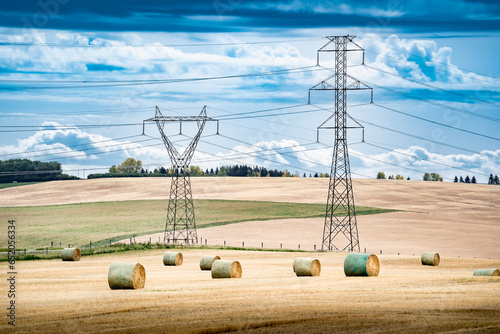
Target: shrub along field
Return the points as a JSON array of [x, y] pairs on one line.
[[79, 224]]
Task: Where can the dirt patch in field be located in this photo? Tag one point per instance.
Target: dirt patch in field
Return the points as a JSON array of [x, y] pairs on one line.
[[75, 297]]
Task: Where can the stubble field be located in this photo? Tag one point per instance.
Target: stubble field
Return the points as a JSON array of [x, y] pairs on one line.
[[455, 220]]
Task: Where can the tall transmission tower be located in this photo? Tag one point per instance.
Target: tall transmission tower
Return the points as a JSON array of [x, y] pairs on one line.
[[180, 227], [340, 231]]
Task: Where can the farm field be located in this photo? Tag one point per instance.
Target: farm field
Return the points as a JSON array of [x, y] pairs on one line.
[[79, 224], [458, 221], [57, 296], [453, 219]]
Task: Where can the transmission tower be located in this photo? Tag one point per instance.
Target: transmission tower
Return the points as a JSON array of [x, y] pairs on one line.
[[340, 231], [180, 227]]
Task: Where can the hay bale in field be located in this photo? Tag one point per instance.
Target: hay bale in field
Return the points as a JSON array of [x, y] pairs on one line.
[[305, 266], [226, 269], [487, 272], [430, 259], [361, 264], [172, 259], [207, 261], [70, 254], [126, 276]]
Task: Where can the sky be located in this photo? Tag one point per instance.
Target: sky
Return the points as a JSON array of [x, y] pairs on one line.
[[77, 79]]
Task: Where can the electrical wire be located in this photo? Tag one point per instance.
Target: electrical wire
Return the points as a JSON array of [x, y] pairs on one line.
[[437, 123], [154, 45], [433, 87], [119, 83], [426, 60]]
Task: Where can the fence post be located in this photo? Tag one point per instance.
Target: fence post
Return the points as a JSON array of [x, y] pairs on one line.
[[110, 242], [281, 245], [243, 244], [150, 241], [205, 241], [380, 251], [69, 245], [25, 251], [52, 244], [47, 250], [59, 244], [299, 246], [314, 247], [262, 244], [365, 249], [91, 245], [224, 243]]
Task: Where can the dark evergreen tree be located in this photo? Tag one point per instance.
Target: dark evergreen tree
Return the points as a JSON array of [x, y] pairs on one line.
[[316, 175], [491, 180], [455, 180], [304, 175], [496, 180], [461, 179], [467, 179], [163, 170], [473, 180]]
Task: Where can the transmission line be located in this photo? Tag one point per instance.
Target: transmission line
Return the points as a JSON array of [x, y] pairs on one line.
[[438, 123], [432, 86]]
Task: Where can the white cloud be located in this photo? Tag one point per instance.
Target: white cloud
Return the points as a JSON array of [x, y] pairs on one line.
[[416, 59]]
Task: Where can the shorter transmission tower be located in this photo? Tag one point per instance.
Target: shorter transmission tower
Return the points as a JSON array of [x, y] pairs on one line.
[[180, 227]]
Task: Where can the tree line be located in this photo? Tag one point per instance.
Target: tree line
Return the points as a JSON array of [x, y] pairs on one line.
[[25, 170], [134, 168], [492, 179]]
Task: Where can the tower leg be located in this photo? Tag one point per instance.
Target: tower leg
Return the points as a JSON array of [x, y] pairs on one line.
[[340, 232], [180, 227]]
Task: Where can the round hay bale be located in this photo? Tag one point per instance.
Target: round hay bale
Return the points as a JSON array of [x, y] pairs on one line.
[[361, 264], [126, 276], [304, 266], [70, 254], [207, 261], [430, 259], [226, 269], [172, 259], [487, 272]]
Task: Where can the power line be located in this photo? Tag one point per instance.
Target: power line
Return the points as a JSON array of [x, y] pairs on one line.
[[433, 87], [119, 83], [418, 137], [154, 45], [422, 159], [463, 111], [65, 127], [427, 60], [438, 123], [71, 147]]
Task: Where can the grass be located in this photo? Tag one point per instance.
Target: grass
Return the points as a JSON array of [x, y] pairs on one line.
[[120, 248], [98, 222], [9, 185]]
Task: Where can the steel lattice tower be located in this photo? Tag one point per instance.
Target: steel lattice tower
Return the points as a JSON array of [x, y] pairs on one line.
[[340, 231], [180, 227]]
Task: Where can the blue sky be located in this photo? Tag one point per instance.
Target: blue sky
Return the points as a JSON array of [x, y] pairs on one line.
[[73, 66]]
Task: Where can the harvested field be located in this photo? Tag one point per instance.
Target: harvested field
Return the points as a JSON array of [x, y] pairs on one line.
[[59, 296], [452, 219]]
